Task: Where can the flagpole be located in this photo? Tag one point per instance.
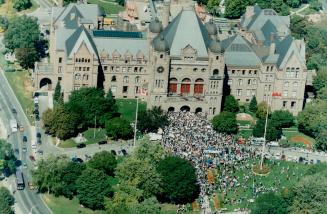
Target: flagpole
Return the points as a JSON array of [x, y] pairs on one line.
[[135, 123]]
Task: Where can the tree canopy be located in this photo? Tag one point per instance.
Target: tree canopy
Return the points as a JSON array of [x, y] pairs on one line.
[[104, 161], [6, 201], [273, 133], [269, 203], [151, 120], [179, 180], [225, 122], [119, 128], [231, 104], [262, 110], [7, 158], [282, 118], [253, 104], [20, 5]]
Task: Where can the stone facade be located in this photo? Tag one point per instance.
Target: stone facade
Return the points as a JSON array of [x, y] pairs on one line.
[[182, 66]]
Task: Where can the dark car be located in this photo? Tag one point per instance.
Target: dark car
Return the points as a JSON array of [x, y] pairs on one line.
[[38, 135], [102, 142], [77, 160], [36, 94], [37, 117], [113, 152], [39, 141], [40, 152], [32, 158], [16, 151], [24, 138], [36, 106], [36, 112], [124, 152], [81, 145], [13, 110]]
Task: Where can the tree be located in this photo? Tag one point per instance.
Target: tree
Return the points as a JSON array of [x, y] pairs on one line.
[[92, 186], [149, 151], [7, 158], [6, 201], [3, 23], [69, 176], [179, 180], [321, 140], [225, 122], [280, 7], [299, 26], [269, 203], [22, 4], [151, 120], [253, 104], [313, 119], [140, 174], [148, 206], [309, 195], [213, 6], [315, 5], [234, 8], [104, 161], [231, 104], [26, 57], [282, 118], [67, 2], [293, 3], [23, 32], [322, 93], [57, 92], [119, 128], [273, 133], [320, 81], [121, 2], [47, 118], [262, 110]]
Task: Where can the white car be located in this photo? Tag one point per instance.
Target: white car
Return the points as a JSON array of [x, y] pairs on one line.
[[34, 146]]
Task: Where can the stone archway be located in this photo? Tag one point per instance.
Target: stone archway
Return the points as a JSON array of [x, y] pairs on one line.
[[197, 110], [185, 108], [171, 109], [46, 82]]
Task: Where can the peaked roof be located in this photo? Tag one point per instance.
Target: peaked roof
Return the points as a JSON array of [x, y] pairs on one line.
[[186, 29], [239, 52]]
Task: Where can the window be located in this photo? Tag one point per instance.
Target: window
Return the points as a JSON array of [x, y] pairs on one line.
[[113, 88], [271, 68], [172, 85], [84, 68], [285, 94], [85, 77], [198, 86], [267, 69], [254, 82], [125, 89], [77, 87], [137, 79], [59, 69], [125, 79], [215, 72], [249, 81], [161, 56], [82, 59], [113, 79], [233, 71], [239, 92], [185, 86], [243, 72], [135, 69], [88, 68], [269, 87], [284, 104], [137, 89], [286, 84], [229, 82], [293, 93], [248, 92], [203, 69], [105, 68], [195, 69], [250, 72], [217, 57], [255, 72], [160, 69], [129, 69], [295, 84], [77, 76], [293, 104], [60, 60], [179, 69], [240, 82]]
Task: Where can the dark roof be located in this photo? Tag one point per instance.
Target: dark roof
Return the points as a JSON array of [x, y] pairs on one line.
[[120, 34]]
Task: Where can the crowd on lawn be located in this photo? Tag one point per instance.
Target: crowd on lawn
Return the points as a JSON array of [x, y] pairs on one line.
[[192, 137]]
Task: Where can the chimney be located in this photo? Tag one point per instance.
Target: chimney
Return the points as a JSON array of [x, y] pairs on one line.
[[165, 14]]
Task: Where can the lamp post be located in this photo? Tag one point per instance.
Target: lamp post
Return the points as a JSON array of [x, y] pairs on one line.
[[135, 123]]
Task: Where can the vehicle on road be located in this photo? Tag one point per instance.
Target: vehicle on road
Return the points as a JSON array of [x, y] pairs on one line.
[[124, 152], [20, 180], [24, 149], [37, 117], [38, 135], [24, 139], [24, 165], [32, 158], [16, 151], [34, 146], [40, 152], [102, 142], [13, 110], [13, 125], [21, 128], [113, 152], [81, 145], [36, 112], [77, 160], [38, 141]]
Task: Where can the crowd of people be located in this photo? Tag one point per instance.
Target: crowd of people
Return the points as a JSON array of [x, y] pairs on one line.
[[192, 137]]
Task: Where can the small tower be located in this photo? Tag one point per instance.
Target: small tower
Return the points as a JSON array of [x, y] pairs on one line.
[[166, 13]]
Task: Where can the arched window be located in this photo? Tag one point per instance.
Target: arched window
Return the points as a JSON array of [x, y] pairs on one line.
[[215, 72], [172, 85], [113, 79], [85, 77], [295, 85], [77, 76], [125, 79], [137, 79], [198, 86], [186, 86]]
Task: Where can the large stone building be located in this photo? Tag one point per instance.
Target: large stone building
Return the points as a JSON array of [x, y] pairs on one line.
[[183, 64]]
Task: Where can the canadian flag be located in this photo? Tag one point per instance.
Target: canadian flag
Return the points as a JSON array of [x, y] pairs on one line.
[[276, 94], [143, 92]]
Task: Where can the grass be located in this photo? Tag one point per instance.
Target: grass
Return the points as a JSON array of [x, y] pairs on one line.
[[62, 205], [21, 84], [168, 208], [290, 134], [127, 107], [245, 133], [100, 134], [285, 180], [109, 7], [67, 143], [308, 11]]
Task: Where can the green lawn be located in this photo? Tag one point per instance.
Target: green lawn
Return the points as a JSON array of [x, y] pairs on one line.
[[100, 134], [245, 133], [67, 143], [127, 107], [295, 172], [22, 86], [62, 205], [109, 7]]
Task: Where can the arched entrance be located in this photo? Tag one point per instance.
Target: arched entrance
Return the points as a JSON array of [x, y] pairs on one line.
[[185, 108], [171, 109], [197, 110], [46, 82], [186, 86]]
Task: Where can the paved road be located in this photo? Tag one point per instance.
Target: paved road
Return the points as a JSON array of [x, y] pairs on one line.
[[28, 201]]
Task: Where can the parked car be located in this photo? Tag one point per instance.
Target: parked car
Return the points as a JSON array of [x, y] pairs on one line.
[[24, 165], [34, 146], [37, 117], [24, 149], [77, 160], [13, 110], [16, 151], [81, 145], [40, 152], [21, 128], [31, 186], [39, 141], [38, 135], [24, 138], [32, 158], [102, 142], [113, 152], [124, 152]]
